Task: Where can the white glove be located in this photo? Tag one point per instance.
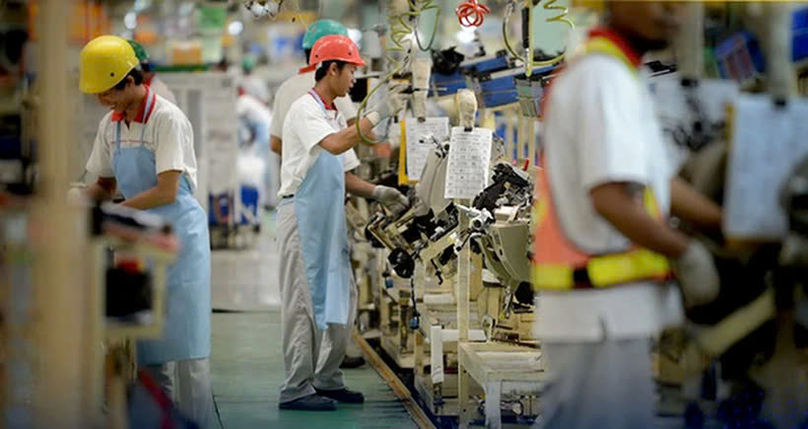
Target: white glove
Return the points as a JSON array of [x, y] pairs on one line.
[[387, 102], [393, 200], [697, 275], [77, 197]]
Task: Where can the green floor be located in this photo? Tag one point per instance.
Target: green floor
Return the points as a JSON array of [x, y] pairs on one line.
[[247, 370]]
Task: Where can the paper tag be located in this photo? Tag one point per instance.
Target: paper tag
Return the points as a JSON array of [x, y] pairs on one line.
[[469, 160], [417, 151], [768, 142]]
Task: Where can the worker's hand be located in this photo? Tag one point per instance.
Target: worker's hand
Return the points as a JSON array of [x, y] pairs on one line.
[[389, 101], [393, 200], [697, 274]]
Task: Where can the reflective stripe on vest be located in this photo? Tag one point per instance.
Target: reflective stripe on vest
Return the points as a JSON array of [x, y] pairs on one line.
[[559, 264]]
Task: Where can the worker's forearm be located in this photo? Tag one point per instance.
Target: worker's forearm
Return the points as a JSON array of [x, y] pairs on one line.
[[99, 193], [630, 218], [275, 144], [355, 185], [150, 199], [690, 205], [340, 142]]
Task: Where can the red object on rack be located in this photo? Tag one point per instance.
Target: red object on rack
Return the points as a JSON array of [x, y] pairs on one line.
[[471, 13]]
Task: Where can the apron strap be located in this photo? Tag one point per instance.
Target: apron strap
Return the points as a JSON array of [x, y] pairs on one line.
[[149, 102], [320, 101], [150, 99]]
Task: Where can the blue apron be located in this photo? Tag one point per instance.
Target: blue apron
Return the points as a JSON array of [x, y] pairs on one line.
[[186, 327], [320, 211]]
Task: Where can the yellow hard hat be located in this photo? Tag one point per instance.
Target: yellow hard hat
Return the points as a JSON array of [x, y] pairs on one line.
[[104, 62]]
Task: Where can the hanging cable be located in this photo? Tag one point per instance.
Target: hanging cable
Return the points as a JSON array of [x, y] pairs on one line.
[[470, 9], [527, 59], [401, 34]]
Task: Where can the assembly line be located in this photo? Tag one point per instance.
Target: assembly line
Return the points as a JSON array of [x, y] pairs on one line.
[[404, 213]]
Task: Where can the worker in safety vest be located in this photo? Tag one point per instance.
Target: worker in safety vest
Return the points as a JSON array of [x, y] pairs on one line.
[[602, 245]]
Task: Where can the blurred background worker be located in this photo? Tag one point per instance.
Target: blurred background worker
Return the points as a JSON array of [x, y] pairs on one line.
[[318, 293], [149, 76], [251, 83], [144, 148], [256, 118], [611, 186], [297, 86]]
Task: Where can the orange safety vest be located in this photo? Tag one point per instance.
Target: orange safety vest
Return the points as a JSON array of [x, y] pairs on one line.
[[557, 263]]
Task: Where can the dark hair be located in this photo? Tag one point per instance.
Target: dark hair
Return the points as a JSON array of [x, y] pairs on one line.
[[136, 74], [308, 54], [323, 69]]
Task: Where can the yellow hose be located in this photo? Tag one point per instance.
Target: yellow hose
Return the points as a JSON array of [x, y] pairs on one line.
[[529, 63], [400, 30]]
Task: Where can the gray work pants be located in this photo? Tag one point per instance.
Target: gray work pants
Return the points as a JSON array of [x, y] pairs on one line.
[[311, 358], [602, 385]]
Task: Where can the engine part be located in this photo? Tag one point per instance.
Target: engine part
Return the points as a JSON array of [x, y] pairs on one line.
[[403, 264]]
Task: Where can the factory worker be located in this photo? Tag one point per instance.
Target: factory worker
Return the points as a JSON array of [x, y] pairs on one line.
[[253, 84], [149, 76], [256, 116], [296, 87], [603, 251], [144, 148], [318, 293]]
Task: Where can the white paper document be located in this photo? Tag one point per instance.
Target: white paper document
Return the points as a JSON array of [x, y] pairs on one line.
[[768, 142], [418, 150], [691, 117], [469, 159]]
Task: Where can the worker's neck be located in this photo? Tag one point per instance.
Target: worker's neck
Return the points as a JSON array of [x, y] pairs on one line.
[[324, 91], [640, 45], [133, 107]]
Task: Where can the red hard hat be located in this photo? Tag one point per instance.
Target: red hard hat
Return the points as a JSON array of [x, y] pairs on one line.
[[335, 47]]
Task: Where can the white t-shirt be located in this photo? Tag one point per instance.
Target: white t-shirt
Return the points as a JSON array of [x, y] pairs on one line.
[[306, 125], [168, 134], [290, 91], [601, 128]]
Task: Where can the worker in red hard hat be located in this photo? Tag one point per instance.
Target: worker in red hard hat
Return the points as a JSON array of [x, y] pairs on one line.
[[318, 293]]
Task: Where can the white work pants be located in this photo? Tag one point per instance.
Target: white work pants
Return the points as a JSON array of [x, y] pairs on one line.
[[194, 396], [311, 358]]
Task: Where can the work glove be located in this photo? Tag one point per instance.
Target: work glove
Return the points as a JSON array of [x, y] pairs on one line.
[[388, 101], [391, 199], [697, 274]]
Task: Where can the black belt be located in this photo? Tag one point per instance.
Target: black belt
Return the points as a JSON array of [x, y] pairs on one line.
[[288, 196]]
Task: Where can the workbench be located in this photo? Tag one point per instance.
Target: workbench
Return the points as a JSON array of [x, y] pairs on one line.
[[502, 370]]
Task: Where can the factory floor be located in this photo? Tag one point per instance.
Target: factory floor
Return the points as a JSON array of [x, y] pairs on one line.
[[246, 359], [247, 370]]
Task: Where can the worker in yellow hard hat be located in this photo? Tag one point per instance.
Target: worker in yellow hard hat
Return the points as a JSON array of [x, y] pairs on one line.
[[145, 149]]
